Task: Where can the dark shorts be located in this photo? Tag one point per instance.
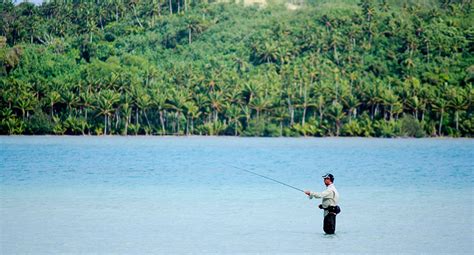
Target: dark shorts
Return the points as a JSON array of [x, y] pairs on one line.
[[330, 223]]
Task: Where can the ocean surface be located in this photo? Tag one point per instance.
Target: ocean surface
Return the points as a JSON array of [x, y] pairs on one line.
[[174, 195]]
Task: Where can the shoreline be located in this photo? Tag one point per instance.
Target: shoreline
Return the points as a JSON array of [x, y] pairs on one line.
[[244, 137]]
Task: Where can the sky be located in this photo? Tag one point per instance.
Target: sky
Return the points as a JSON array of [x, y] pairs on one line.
[[31, 1]]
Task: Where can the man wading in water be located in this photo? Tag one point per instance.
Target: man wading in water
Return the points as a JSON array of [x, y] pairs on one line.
[[330, 200]]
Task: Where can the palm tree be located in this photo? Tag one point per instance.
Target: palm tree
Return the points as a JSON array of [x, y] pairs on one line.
[[351, 103], [415, 104], [337, 114], [217, 100], [259, 104], [372, 95], [133, 4], [159, 102], [25, 103], [458, 103], [268, 52], [105, 101], [234, 113], [178, 102], [71, 100], [53, 98], [194, 25], [250, 90], [280, 114], [143, 103], [192, 112], [440, 106], [321, 105], [368, 9], [304, 101], [127, 112], [87, 104], [389, 99], [334, 43]]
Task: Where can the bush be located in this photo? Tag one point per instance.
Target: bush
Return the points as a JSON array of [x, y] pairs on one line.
[[351, 129], [366, 126], [133, 129], [109, 37], [290, 132], [385, 128], [39, 124], [467, 126], [212, 128], [272, 130], [254, 128], [13, 126], [308, 129], [411, 127]]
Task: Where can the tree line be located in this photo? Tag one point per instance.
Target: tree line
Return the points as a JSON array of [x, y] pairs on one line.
[[359, 68]]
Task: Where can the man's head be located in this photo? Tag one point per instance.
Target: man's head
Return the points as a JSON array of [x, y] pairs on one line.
[[328, 179]]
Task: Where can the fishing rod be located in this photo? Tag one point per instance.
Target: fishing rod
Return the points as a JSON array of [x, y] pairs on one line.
[[266, 177]]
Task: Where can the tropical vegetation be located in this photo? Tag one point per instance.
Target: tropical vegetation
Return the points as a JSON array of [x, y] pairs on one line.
[[179, 67]]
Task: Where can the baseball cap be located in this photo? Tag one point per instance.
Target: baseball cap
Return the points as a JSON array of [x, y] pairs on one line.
[[328, 175]]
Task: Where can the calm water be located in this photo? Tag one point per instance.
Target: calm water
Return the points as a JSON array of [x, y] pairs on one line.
[[177, 195]]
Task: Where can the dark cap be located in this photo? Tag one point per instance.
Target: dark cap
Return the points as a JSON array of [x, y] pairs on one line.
[[329, 176]]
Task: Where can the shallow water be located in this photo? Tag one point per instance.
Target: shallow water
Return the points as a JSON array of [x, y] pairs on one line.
[[179, 195]]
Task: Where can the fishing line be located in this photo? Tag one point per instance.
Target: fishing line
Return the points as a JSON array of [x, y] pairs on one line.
[[266, 177]]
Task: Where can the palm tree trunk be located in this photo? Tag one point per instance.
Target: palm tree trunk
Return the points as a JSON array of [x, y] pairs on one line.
[[187, 126], [178, 114], [440, 123], [136, 17], [189, 36], [320, 115], [162, 121], [136, 117], [391, 113], [456, 114], [372, 113], [235, 129], [304, 116], [146, 118], [105, 124], [125, 131], [118, 119]]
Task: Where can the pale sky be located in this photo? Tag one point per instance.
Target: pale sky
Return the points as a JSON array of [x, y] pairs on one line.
[[31, 1]]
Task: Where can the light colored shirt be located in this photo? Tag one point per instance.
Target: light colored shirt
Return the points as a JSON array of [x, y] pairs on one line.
[[330, 196]]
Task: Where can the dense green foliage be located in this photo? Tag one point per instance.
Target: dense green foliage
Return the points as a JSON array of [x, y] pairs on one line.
[[351, 68]]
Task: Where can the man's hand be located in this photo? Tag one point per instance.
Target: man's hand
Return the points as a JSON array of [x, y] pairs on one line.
[[307, 192]]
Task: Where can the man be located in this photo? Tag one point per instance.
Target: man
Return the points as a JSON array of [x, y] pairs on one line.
[[329, 203]]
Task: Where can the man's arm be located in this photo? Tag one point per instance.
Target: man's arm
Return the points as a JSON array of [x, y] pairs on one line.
[[324, 194]]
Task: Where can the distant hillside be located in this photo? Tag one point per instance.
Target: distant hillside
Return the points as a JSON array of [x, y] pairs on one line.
[[331, 68]]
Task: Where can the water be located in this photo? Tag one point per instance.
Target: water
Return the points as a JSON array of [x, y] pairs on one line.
[[176, 195]]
